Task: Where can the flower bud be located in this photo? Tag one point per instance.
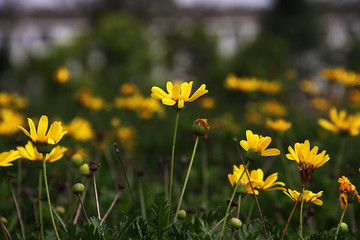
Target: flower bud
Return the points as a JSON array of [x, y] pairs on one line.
[[241, 188], [235, 223], [44, 147], [77, 159], [200, 128], [78, 188], [182, 214], [93, 166], [60, 209], [344, 227], [3, 220], [84, 169]]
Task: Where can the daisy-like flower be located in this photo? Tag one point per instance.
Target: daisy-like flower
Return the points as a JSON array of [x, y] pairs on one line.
[[30, 152], [279, 125], [80, 129], [7, 157], [341, 122], [307, 159], [256, 178], [44, 139], [348, 193], [256, 146], [177, 94], [309, 196]]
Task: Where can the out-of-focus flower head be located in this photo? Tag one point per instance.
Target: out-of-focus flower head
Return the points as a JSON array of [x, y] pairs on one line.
[[12, 100], [9, 120], [178, 95], [80, 129], [341, 122], [6, 158], [207, 103], [62, 75], [310, 87], [273, 108], [321, 104], [30, 152], [307, 159], [86, 99], [248, 85], [256, 146], [309, 196], [279, 125], [128, 89], [126, 135], [348, 193], [341, 75]]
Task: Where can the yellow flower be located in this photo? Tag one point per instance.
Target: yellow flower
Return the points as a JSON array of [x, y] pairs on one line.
[[128, 88], [341, 75], [310, 87], [258, 144], [126, 136], [9, 120], [341, 122], [278, 125], [307, 159], [7, 157], [12, 100], [42, 135], [86, 99], [273, 108], [207, 103], [321, 104], [177, 94], [251, 84], [348, 193], [30, 152], [80, 129], [309, 196], [62, 75], [256, 178]]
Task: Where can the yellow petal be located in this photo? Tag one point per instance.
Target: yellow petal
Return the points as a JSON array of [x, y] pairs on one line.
[[244, 145], [168, 101], [42, 128], [176, 92], [327, 125], [32, 130], [169, 87], [158, 93], [201, 91], [181, 103], [270, 152], [25, 131]]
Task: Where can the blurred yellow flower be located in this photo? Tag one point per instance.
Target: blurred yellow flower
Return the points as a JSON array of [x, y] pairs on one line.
[[62, 75], [207, 103], [310, 87], [341, 75], [321, 104], [341, 122], [256, 178], [7, 157], [348, 193], [307, 159], [128, 89], [309, 196], [12, 100], [126, 135], [80, 129], [86, 99], [42, 135], [30, 152], [278, 125], [252, 84], [177, 94], [9, 120], [258, 144], [273, 108]]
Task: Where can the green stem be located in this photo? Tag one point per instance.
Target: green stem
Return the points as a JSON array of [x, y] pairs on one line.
[[250, 212], [187, 177], [18, 211], [231, 200], [96, 196], [220, 221], [40, 205], [341, 219], [172, 158], [301, 211], [239, 204], [48, 197]]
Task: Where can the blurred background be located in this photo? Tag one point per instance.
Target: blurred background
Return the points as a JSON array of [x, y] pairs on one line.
[[92, 63]]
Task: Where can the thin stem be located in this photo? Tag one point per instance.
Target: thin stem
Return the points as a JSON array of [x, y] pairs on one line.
[[341, 219], [5, 231], [124, 171], [111, 207], [231, 200], [40, 205], [220, 221], [96, 197], [18, 211], [301, 211], [77, 215], [250, 212], [252, 188], [172, 158], [288, 221], [76, 204], [187, 177], [238, 207], [48, 197], [60, 220], [142, 200], [83, 208], [340, 156]]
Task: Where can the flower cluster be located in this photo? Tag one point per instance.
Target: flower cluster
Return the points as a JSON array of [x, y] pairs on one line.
[[348, 193], [341, 75], [309, 196], [252, 85]]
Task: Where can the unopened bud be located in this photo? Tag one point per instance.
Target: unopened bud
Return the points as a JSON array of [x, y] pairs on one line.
[[235, 223], [78, 188], [200, 128], [60, 209], [182, 214], [344, 227], [77, 159], [84, 169], [4, 220]]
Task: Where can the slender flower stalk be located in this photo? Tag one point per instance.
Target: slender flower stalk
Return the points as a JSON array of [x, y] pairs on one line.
[[83, 208], [231, 200], [111, 207], [341, 219], [96, 197], [288, 221], [5, 231], [172, 158], [77, 215], [48, 196], [124, 171], [41, 205], [18, 211], [187, 177], [238, 207], [301, 211], [250, 212]]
